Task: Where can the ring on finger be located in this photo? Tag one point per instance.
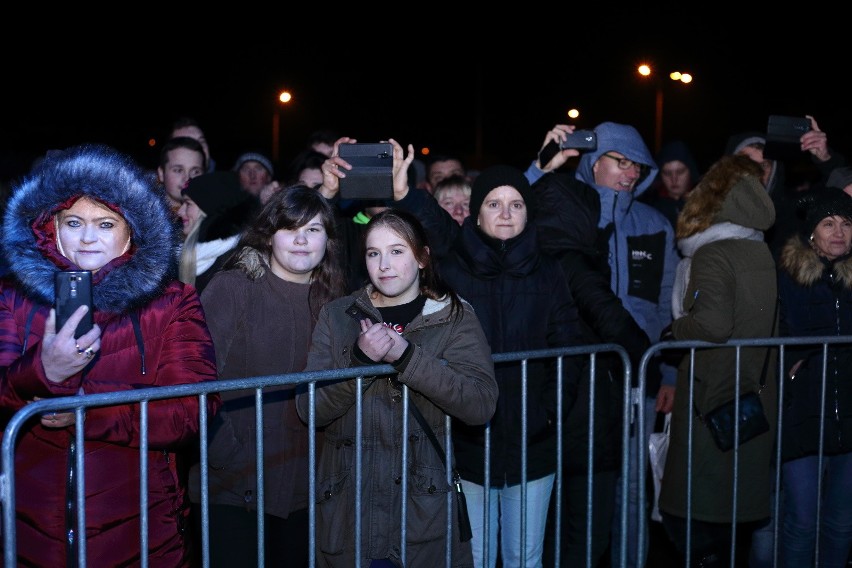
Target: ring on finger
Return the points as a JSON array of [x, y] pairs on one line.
[[79, 350], [89, 352]]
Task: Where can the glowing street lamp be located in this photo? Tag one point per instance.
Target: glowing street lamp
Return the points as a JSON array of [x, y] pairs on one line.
[[646, 71], [284, 97]]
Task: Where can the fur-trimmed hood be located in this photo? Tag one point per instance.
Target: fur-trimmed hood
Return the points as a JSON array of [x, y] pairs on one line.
[[806, 267], [104, 174]]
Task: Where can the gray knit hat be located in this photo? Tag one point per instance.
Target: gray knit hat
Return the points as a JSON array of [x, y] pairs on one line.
[[254, 157]]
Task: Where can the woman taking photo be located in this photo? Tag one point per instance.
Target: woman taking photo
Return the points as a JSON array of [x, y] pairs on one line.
[[408, 318], [261, 309], [91, 208]]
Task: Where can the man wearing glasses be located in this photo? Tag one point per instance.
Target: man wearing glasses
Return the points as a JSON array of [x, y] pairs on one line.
[[642, 258]]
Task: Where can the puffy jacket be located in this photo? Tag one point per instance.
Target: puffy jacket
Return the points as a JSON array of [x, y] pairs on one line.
[[135, 292], [522, 298], [816, 300]]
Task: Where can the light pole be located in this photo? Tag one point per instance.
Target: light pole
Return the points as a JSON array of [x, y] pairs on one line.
[[284, 97], [646, 71]]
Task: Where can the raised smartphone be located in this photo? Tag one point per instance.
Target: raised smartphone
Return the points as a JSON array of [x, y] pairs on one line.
[[73, 288], [579, 140], [371, 176]]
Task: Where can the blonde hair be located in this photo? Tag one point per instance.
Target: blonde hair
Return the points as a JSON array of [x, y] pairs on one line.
[[188, 260]]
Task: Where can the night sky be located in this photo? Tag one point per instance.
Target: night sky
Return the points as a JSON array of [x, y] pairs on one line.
[[445, 88]]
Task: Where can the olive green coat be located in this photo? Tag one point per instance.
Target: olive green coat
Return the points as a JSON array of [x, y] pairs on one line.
[[730, 294]]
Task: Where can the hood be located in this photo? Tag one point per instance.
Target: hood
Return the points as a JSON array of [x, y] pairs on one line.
[[730, 192], [678, 150], [626, 140], [102, 173]]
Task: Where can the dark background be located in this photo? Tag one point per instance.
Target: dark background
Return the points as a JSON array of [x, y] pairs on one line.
[[485, 91]]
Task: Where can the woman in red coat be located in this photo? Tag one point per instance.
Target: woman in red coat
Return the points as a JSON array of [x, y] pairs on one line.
[[92, 208]]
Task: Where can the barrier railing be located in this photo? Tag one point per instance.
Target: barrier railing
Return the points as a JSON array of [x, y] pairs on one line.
[[631, 396]]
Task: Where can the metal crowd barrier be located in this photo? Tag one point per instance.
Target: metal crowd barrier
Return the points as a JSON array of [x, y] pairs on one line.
[[632, 397]]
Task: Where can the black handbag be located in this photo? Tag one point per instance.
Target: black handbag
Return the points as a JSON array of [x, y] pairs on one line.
[[465, 532], [721, 421]]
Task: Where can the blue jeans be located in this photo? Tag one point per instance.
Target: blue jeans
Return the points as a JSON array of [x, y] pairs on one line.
[[649, 415], [799, 480], [504, 515]]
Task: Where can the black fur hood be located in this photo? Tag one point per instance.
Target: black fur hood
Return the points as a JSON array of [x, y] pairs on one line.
[[100, 172]]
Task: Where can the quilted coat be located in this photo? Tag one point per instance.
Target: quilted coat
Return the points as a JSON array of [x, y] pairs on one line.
[[464, 388], [173, 346]]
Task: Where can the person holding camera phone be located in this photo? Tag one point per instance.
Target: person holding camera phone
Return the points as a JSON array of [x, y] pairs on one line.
[[784, 196], [641, 254], [92, 208]]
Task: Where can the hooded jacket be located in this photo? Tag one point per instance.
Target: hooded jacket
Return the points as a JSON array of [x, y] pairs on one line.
[[642, 255], [153, 333], [728, 292]]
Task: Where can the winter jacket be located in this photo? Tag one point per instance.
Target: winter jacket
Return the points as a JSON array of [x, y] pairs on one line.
[[260, 327], [567, 225], [730, 294], [522, 298], [462, 386], [153, 333], [641, 244], [816, 300]]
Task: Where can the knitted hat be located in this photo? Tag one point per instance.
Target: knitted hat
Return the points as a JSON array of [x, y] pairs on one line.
[[823, 203], [254, 157], [840, 177], [496, 176]]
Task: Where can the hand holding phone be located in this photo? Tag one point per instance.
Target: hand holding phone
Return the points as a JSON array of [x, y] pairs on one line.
[[371, 176], [577, 140], [73, 288]]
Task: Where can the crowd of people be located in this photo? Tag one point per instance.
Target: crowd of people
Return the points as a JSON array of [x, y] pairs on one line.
[[201, 273]]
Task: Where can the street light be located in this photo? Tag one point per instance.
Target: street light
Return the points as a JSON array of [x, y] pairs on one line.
[[646, 71], [284, 97]]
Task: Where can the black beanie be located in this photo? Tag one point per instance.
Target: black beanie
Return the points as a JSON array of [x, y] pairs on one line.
[[819, 204], [216, 192], [496, 176]]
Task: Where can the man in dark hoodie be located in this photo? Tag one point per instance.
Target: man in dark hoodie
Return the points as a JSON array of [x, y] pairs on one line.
[[678, 175]]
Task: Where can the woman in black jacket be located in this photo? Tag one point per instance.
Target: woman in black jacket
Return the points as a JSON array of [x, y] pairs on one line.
[[815, 288], [522, 298]]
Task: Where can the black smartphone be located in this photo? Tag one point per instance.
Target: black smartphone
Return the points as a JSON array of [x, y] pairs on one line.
[[371, 176], [782, 136], [73, 288], [578, 140]]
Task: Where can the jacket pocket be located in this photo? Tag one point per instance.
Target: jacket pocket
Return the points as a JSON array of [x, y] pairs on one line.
[[427, 504]]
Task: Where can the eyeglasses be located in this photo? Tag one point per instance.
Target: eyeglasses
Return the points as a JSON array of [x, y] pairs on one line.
[[625, 164]]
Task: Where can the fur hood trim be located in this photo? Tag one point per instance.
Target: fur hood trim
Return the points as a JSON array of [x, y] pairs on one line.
[[112, 178], [806, 267]]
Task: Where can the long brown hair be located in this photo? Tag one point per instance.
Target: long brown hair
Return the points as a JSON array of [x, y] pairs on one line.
[[291, 208]]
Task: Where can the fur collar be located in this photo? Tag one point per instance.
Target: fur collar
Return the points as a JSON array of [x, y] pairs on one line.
[[806, 267], [112, 178]]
